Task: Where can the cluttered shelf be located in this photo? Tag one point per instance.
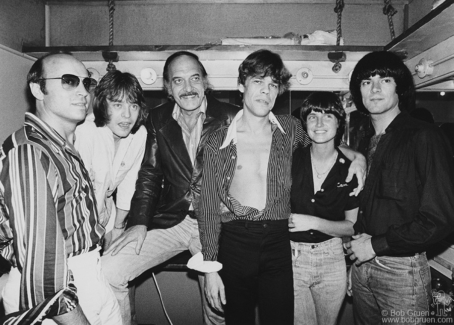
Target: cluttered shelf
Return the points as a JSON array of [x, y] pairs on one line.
[[205, 52]]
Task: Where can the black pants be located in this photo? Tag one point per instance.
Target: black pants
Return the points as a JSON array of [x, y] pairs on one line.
[[257, 270]]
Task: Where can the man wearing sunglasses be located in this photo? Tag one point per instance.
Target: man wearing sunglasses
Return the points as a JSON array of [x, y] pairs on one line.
[[51, 232]]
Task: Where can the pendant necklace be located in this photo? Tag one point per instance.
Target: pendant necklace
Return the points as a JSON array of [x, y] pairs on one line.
[[321, 175]]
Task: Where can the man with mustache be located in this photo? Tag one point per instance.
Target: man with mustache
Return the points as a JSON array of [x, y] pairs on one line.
[[50, 232], [162, 220]]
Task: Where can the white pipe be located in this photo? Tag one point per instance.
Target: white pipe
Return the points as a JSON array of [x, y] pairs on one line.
[[10, 50], [47, 24]]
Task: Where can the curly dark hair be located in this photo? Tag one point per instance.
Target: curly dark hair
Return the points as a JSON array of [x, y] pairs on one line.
[[265, 63]]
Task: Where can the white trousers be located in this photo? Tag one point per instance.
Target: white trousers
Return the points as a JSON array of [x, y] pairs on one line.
[[95, 295]]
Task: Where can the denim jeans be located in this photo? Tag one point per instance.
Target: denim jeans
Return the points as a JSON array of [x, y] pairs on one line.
[[159, 246], [391, 289], [320, 281], [257, 271]]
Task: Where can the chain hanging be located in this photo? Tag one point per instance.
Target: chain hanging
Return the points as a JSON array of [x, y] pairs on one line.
[[390, 11], [338, 10], [337, 57], [111, 66]]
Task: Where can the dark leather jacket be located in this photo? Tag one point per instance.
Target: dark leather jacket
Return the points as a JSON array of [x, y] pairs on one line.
[[167, 183]]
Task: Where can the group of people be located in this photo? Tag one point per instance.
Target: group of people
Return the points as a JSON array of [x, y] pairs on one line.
[[267, 205]]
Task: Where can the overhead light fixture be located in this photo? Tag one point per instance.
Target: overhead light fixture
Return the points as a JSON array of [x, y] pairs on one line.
[[148, 76], [304, 76]]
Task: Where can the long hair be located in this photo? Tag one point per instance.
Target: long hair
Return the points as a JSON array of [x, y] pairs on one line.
[[264, 63], [114, 86], [384, 64]]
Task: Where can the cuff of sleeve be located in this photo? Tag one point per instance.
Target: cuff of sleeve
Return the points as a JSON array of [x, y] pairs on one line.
[[380, 245], [137, 221], [197, 263]]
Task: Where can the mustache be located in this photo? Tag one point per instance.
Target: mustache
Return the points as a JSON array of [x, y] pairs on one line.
[[191, 93]]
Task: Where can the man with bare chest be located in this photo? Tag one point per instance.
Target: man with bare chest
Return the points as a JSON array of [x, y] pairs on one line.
[[245, 188], [249, 181], [245, 201]]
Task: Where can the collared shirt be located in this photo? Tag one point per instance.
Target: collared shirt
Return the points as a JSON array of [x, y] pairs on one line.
[[51, 212], [191, 137], [217, 205], [330, 202], [231, 132], [110, 170], [407, 203]]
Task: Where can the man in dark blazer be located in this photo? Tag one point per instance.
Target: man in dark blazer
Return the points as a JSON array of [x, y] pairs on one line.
[[162, 220]]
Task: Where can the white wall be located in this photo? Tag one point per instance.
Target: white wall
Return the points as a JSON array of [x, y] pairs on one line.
[[13, 100]]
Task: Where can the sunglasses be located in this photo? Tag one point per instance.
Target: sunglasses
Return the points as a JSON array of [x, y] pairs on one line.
[[70, 81]]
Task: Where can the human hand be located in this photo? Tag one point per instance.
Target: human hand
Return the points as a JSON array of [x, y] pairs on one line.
[[214, 291], [110, 237], [358, 168], [360, 249], [136, 233], [301, 222]]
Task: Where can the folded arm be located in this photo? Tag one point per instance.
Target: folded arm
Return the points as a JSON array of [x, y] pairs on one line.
[[304, 222]]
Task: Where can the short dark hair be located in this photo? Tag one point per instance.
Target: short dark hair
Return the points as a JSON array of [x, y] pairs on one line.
[[328, 103], [172, 58], [264, 63], [114, 86], [384, 64], [36, 73]]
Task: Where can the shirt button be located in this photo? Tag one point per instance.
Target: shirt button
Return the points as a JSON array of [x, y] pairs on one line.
[[321, 190], [312, 233], [122, 163], [312, 200]]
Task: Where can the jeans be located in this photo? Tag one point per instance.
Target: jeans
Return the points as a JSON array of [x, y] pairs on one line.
[[320, 281], [159, 246], [257, 270], [391, 289], [95, 295]]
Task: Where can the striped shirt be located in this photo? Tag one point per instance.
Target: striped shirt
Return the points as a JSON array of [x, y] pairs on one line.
[[50, 216], [218, 206]]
